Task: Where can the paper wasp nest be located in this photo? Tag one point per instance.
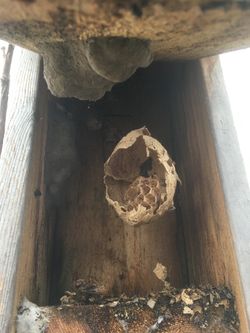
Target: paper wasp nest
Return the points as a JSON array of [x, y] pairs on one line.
[[140, 178]]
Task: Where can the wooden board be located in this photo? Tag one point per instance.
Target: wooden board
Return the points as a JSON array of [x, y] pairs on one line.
[[5, 59], [15, 173], [180, 29], [79, 40], [197, 97], [33, 269], [233, 176]]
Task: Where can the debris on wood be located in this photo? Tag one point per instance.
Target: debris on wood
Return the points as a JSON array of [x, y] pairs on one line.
[[183, 310], [140, 178], [197, 309], [156, 325], [186, 298], [188, 310], [86, 309], [161, 272], [151, 303]]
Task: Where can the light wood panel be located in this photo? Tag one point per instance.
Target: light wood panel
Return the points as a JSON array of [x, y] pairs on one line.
[[35, 240], [209, 236], [233, 176], [5, 58], [15, 171]]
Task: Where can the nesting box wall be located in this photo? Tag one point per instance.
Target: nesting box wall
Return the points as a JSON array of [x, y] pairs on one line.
[[91, 241]]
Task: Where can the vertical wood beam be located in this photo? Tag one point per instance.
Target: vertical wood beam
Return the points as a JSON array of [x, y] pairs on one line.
[[14, 174], [233, 176]]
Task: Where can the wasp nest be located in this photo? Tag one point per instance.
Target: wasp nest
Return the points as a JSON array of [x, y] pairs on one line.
[[140, 178]]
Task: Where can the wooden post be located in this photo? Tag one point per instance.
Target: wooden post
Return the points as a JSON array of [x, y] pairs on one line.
[[15, 174]]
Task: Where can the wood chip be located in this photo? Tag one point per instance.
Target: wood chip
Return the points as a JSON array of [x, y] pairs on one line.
[[195, 296], [186, 298], [151, 303], [113, 304], [161, 272], [225, 303], [187, 310]]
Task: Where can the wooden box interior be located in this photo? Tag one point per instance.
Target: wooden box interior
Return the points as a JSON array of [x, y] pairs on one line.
[[80, 237]]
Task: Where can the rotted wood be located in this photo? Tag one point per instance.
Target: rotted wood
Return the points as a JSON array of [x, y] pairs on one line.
[[86, 44]]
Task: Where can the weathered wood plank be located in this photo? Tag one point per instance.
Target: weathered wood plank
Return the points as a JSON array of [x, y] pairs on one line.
[[204, 209], [14, 174], [179, 29], [86, 43], [233, 176], [33, 271], [6, 58]]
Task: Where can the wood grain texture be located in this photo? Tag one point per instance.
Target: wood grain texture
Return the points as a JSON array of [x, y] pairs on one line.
[[92, 318], [91, 242], [14, 175], [65, 33], [209, 236], [233, 176], [103, 321], [35, 249], [179, 104], [179, 29], [4, 87]]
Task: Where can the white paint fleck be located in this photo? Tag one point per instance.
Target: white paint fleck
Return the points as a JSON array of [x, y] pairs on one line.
[[31, 318], [156, 326]]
